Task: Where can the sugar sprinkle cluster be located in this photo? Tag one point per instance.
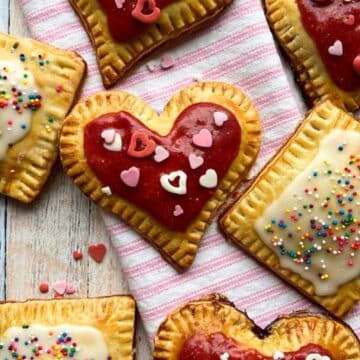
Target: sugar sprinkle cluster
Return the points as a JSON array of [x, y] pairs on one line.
[[336, 230]]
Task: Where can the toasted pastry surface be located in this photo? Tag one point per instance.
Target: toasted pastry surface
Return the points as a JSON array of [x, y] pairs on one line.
[[39, 84], [206, 173]]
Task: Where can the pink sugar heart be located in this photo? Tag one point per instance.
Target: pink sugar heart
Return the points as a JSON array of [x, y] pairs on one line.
[[120, 3], [167, 61], [161, 154], [70, 289], [203, 138], [220, 118], [195, 161], [59, 287], [336, 49], [178, 210], [349, 20], [108, 135], [131, 177]]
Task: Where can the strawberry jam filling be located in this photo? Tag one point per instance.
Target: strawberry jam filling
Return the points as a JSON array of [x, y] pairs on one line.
[[218, 346], [123, 26], [334, 26], [170, 177]]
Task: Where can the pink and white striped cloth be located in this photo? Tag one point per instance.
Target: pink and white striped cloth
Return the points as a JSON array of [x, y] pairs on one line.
[[239, 49]]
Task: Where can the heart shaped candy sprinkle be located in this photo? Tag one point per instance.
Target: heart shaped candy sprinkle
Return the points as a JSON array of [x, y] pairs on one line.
[[209, 180], [195, 161], [220, 118], [161, 154], [178, 210], [203, 138], [120, 3], [59, 287], [131, 177], [77, 255], [166, 180], [167, 62], [153, 14], [141, 145], [116, 144], [108, 135], [336, 49], [97, 252]]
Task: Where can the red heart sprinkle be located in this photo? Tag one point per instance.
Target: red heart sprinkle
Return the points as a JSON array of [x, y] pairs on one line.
[[147, 146], [149, 18], [44, 288], [97, 252], [77, 255]]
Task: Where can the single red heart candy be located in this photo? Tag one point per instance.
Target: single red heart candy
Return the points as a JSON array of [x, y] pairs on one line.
[[77, 255], [149, 18], [97, 252], [44, 288], [142, 140]]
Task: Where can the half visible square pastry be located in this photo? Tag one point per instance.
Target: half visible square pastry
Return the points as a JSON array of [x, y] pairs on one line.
[[301, 215], [165, 175], [213, 329], [38, 85], [321, 38], [98, 329], [123, 32]]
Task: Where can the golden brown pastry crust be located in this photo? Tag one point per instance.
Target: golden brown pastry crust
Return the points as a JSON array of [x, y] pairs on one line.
[[177, 20], [179, 248], [28, 163], [113, 316], [285, 19], [216, 314], [238, 222]]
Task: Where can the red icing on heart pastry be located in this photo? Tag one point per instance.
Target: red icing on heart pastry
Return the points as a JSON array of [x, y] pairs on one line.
[[201, 347], [174, 172], [328, 22], [123, 25]]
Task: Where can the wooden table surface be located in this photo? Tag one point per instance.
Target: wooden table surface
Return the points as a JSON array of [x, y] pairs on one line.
[[37, 241]]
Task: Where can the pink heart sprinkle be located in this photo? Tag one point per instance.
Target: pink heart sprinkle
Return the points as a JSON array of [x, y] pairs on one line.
[[70, 289], [59, 287], [167, 61], [131, 177], [220, 118], [203, 138], [349, 20], [120, 3], [178, 210], [161, 154], [336, 49], [108, 135], [195, 161]]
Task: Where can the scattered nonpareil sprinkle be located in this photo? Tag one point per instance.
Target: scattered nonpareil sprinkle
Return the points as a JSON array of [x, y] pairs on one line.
[[97, 252], [167, 61], [44, 288]]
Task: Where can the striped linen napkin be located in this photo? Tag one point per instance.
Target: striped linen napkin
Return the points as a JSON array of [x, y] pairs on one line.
[[238, 48]]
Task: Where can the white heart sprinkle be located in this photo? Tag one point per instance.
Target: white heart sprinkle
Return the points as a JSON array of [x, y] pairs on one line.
[[336, 49], [209, 180], [181, 189], [106, 190], [116, 145], [220, 118], [161, 154], [195, 161]]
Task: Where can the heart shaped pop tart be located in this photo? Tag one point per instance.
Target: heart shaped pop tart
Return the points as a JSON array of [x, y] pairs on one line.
[[172, 172], [321, 38], [213, 329], [125, 31]]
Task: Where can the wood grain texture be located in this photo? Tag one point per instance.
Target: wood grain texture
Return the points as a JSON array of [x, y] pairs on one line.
[[37, 240]]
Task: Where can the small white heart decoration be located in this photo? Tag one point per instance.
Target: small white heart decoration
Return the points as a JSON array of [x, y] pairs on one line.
[[108, 135], [116, 145], [209, 180], [161, 154], [220, 118], [195, 161], [165, 181], [336, 49]]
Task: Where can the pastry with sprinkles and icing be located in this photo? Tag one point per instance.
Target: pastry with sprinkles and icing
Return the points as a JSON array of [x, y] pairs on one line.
[[301, 216], [322, 40], [213, 329], [165, 175], [123, 32], [38, 85], [97, 329]]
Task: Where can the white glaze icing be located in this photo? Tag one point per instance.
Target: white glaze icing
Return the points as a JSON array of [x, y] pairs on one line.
[[13, 125], [90, 343], [331, 265]]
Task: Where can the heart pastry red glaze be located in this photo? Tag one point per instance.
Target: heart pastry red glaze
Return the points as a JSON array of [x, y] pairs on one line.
[[149, 194], [211, 347], [123, 26], [328, 22]]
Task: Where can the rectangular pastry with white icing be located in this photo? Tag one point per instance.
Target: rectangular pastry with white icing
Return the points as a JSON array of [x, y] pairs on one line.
[[301, 215], [38, 85], [98, 329]]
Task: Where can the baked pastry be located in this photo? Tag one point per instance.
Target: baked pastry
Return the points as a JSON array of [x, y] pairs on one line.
[[38, 84], [102, 328], [300, 217], [123, 32], [164, 175], [213, 329], [321, 38]]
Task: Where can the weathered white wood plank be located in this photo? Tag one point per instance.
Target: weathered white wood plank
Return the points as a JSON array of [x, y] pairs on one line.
[[4, 24]]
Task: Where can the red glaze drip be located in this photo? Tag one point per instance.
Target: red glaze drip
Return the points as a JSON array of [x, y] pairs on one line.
[[123, 26], [324, 22], [149, 194], [201, 347]]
